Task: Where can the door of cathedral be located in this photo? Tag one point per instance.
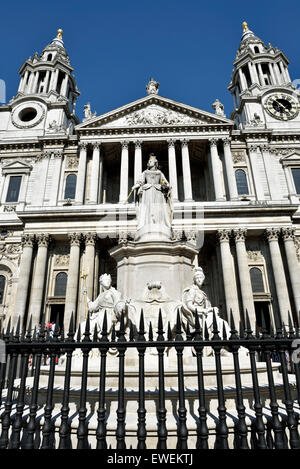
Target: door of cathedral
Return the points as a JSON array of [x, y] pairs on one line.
[[57, 311], [262, 310]]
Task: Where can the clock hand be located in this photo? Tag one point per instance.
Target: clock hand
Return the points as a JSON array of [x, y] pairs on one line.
[[281, 105]]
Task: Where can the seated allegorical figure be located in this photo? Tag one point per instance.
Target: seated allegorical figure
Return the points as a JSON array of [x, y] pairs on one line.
[[110, 301], [195, 301]]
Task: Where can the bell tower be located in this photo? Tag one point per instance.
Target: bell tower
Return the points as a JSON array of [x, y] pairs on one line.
[[261, 87], [46, 98]]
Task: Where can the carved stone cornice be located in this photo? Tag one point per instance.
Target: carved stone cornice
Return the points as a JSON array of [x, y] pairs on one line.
[[223, 235], [177, 235], [43, 240], [254, 255], [272, 234], [288, 233], [240, 234], [72, 162], [28, 240], [75, 239], [90, 238]]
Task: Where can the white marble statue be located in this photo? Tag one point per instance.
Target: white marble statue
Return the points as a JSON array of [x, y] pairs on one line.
[[154, 213], [152, 87], [110, 301], [219, 108], [195, 301]]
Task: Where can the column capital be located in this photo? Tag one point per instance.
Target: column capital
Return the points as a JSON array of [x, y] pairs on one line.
[[171, 142], [226, 141], [288, 233], [272, 234], [75, 238], [265, 147], [124, 144], [184, 142], [28, 240], [252, 148], [43, 240], [90, 238], [240, 234], [223, 235], [96, 144], [138, 143], [82, 145], [213, 141]]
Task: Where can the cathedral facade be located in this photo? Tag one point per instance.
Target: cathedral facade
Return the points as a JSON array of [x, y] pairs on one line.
[[66, 187]]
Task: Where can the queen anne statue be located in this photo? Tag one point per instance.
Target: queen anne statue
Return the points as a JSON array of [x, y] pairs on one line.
[[154, 212]]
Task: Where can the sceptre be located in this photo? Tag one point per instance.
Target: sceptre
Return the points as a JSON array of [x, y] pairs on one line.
[[84, 276]]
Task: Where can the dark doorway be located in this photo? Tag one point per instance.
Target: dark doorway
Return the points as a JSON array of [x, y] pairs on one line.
[[57, 311], [262, 311]]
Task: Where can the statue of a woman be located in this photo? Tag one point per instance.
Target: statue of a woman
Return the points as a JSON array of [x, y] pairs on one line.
[[154, 213]]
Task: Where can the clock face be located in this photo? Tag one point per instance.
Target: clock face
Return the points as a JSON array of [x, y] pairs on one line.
[[282, 106]]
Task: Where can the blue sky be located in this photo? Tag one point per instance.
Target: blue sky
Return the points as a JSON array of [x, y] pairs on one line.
[[115, 46]]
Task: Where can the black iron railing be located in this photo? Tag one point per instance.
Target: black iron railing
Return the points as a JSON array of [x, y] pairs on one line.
[[28, 424]]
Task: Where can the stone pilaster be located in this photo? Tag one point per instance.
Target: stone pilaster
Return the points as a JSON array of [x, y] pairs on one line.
[[272, 235], [230, 289], [255, 172], [124, 172], [288, 235], [231, 182], [172, 169], [216, 170], [244, 274], [24, 276], [73, 276], [186, 171], [38, 281], [80, 185]]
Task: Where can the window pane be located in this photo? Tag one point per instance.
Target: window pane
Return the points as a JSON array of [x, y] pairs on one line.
[[257, 280], [2, 288], [70, 186], [60, 284], [13, 189], [296, 176], [241, 182]]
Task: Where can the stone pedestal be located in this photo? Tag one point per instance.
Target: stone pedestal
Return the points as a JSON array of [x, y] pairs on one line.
[[170, 262]]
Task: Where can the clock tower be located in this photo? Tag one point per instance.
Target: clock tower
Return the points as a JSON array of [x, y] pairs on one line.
[[263, 94]]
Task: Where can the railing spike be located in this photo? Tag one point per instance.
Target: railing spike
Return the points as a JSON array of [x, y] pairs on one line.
[[178, 324], [8, 327], [150, 332], [29, 329], [113, 333], [104, 325], [142, 324], [131, 332], [170, 335], [79, 333], [224, 332], [248, 325], [206, 333], [215, 330], [95, 334]]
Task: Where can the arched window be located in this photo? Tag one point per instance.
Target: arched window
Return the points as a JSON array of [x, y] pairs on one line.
[[2, 288], [49, 57], [70, 188], [241, 182], [256, 50], [257, 280], [60, 284]]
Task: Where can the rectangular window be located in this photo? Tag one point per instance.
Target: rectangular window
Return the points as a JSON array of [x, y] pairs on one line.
[[13, 188], [296, 176]]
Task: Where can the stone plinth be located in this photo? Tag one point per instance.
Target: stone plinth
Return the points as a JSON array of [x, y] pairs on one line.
[[169, 262]]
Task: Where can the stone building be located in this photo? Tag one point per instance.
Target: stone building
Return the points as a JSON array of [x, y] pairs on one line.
[[235, 184]]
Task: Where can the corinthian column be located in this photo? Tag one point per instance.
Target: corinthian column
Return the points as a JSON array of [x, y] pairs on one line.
[[272, 235], [293, 264], [124, 172], [24, 276], [173, 169], [38, 280], [216, 170], [80, 185], [230, 289], [255, 173], [244, 274], [233, 195], [90, 240], [93, 199], [137, 160], [186, 171], [73, 275]]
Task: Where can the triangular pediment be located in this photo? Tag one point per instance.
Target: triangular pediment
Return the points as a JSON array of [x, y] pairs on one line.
[[294, 155], [154, 111], [17, 165]]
